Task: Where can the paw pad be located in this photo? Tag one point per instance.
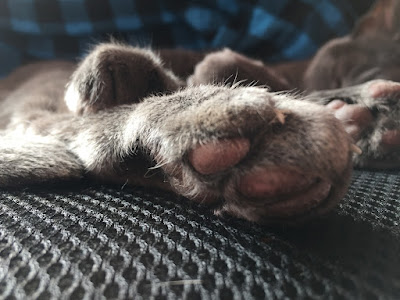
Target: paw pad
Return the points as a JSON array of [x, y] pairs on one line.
[[218, 156]]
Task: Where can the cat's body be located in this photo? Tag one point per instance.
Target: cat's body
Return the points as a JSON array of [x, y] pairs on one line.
[[127, 118]]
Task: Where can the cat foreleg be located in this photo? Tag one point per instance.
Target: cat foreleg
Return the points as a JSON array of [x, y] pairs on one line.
[[29, 159]]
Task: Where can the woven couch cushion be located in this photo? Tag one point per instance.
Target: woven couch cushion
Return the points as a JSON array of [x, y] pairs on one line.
[[100, 241]]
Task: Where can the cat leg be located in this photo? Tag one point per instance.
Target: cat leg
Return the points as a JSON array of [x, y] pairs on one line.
[[29, 159], [370, 113], [245, 151], [257, 155]]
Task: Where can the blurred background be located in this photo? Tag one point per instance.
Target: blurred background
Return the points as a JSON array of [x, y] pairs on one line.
[[276, 30]]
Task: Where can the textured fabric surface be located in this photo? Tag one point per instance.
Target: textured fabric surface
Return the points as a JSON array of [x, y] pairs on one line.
[[278, 30], [101, 241]]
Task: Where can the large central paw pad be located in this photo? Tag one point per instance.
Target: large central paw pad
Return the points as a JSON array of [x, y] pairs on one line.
[[277, 185]]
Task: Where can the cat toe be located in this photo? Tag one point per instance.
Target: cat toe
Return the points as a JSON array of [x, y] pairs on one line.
[[391, 138], [355, 118], [384, 89], [218, 156], [335, 104], [388, 91]]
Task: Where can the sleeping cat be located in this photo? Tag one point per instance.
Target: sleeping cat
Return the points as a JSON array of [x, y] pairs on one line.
[[204, 128]]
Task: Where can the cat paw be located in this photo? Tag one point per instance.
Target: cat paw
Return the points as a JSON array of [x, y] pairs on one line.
[[227, 66], [253, 154], [115, 74], [371, 115]]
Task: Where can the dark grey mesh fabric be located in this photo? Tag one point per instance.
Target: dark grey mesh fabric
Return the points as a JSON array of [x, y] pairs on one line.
[[100, 241]]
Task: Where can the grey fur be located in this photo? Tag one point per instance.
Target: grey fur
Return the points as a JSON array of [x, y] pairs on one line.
[[119, 144], [126, 113]]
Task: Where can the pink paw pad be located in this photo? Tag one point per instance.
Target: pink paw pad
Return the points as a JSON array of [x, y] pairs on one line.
[[285, 191], [383, 89], [218, 156], [391, 138], [355, 118]]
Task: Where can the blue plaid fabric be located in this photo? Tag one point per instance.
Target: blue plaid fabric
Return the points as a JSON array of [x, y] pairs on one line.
[[277, 30]]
